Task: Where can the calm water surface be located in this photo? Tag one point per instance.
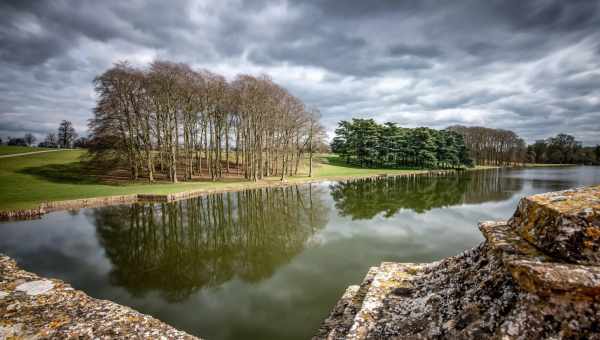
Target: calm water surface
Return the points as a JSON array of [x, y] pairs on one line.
[[270, 263]]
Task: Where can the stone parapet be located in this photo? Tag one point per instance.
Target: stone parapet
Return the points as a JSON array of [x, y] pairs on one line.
[[32, 307], [534, 276]]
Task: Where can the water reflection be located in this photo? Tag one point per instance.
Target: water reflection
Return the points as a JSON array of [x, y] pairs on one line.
[[268, 264], [178, 248], [365, 198]]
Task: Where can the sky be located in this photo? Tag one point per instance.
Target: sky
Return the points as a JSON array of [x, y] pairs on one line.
[[528, 66]]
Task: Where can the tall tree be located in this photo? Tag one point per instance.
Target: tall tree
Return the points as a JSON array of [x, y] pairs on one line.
[[563, 149], [492, 146], [51, 141], [172, 120], [29, 139], [365, 143], [66, 134]]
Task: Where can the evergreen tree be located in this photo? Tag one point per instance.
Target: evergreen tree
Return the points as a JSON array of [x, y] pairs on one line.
[[365, 143]]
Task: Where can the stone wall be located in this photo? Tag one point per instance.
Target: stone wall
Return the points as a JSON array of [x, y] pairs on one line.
[[536, 276]]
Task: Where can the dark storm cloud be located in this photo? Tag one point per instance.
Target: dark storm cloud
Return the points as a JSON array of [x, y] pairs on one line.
[[528, 66], [426, 51]]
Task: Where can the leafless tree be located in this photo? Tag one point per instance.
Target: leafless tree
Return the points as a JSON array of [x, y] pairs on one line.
[[66, 134], [29, 139], [492, 146], [171, 119]]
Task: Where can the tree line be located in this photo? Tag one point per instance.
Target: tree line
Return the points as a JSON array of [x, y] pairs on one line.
[[489, 146], [27, 140], [563, 149], [64, 137], [173, 121], [365, 143]]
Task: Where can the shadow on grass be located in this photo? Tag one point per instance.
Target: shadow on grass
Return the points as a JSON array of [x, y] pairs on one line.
[[70, 173]]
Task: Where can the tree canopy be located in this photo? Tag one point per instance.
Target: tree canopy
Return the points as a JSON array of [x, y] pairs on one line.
[[563, 149], [365, 143]]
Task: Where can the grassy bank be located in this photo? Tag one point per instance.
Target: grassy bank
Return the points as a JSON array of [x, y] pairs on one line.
[[26, 181], [543, 165]]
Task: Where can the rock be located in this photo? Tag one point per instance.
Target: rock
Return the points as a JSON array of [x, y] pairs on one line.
[[38, 308], [3, 294], [556, 278], [558, 198], [35, 287], [402, 291], [10, 331], [536, 276], [564, 224]]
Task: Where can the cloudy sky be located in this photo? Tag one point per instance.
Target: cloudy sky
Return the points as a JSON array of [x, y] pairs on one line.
[[529, 66]]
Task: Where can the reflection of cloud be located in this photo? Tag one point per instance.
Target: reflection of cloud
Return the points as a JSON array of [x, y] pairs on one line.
[[302, 289], [29, 239]]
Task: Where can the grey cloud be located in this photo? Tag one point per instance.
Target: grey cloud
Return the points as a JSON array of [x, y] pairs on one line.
[[425, 51], [529, 66]]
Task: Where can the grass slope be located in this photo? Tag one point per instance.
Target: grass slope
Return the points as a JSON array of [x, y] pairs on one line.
[[28, 180]]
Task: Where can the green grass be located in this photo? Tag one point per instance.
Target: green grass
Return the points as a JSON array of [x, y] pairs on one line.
[[327, 165], [26, 181], [11, 150]]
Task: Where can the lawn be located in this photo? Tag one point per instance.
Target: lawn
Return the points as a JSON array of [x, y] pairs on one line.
[[328, 165], [26, 181], [10, 150]]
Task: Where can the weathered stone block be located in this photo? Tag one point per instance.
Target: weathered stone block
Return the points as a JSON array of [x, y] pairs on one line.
[[502, 238], [556, 278], [390, 276], [564, 224]]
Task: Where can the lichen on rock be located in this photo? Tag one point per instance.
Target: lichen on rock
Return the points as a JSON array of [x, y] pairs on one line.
[[564, 224], [35, 308]]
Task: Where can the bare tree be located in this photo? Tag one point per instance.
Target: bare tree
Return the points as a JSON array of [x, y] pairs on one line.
[[51, 141], [492, 146], [29, 139], [172, 120], [66, 134], [316, 137]]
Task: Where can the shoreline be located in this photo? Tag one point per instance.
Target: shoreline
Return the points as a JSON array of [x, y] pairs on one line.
[[100, 201]]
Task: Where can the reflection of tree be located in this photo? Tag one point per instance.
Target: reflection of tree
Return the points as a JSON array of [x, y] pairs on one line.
[[365, 198], [180, 247], [490, 186]]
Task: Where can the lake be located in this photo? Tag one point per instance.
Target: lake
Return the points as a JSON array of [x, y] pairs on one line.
[[269, 263]]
